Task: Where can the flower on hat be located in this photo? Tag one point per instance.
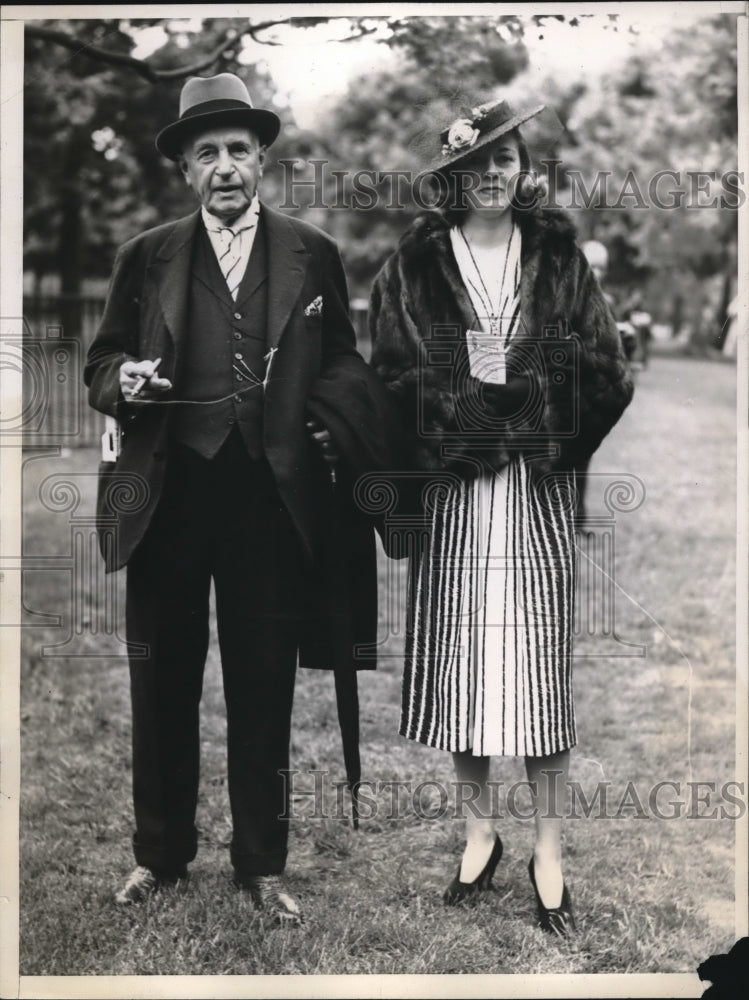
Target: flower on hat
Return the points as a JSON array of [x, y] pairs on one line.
[[460, 135]]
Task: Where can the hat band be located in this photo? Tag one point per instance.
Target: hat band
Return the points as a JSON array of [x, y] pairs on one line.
[[494, 119], [208, 107]]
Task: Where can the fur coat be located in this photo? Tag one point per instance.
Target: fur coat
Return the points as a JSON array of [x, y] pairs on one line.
[[567, 353]]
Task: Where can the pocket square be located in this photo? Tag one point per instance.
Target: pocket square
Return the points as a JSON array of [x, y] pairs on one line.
[[315, 307]]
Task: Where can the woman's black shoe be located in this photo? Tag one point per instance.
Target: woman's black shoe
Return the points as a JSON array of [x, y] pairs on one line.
[[559, 919], [457, 891]]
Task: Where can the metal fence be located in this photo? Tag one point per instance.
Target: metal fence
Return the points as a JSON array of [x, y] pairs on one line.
[[57, 332]]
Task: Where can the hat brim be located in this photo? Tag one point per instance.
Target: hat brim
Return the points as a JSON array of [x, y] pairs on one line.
[[265, 124], [483, 140]]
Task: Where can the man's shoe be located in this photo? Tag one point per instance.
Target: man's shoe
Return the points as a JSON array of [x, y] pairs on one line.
[[143, 882], [269, 894]]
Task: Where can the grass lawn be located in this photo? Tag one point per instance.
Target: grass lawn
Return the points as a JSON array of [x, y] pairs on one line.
[[651, 895]]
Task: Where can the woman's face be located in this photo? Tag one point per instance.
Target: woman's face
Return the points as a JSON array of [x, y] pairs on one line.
[[493, 169]]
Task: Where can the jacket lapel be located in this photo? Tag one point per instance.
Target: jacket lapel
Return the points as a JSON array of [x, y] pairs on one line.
[[530, 269], [287, 263], [206, 269], [170, 271], [288, 260], [449, 274]]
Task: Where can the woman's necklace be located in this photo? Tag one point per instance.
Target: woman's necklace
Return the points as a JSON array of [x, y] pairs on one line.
[[482, 293]]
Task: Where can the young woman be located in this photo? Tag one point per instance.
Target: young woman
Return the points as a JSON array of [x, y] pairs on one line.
[[489, 328]]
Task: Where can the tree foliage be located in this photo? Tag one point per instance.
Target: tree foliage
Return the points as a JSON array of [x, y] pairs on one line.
[[390, 121], [93, 177], [678, 113], [92, 111]]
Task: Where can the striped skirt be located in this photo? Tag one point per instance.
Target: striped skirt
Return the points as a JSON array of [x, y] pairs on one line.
[[489, 643]]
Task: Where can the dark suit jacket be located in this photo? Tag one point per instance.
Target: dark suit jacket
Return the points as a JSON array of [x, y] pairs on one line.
[[145, 318]]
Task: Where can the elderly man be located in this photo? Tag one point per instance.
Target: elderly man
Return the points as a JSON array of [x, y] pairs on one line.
[[221, 330]]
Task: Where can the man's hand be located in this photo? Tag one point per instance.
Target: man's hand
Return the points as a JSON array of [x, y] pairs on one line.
[[138, 380], [321, 437]]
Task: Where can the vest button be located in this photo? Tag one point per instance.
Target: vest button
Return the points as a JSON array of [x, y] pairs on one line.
[[238, 356], [230, 420], [237, 315], [237, 335], [237, 399], [239, 377]]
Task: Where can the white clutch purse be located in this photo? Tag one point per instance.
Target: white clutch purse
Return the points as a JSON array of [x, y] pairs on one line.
[[110, 440]]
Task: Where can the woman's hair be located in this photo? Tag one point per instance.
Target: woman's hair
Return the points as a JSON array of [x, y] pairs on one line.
[[450, 200]]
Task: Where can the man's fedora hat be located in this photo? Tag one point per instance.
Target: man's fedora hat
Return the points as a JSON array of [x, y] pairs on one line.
[[478, 127], [210, 101]]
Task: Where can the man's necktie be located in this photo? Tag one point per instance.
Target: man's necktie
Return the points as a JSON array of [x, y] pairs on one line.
[[231, 255]]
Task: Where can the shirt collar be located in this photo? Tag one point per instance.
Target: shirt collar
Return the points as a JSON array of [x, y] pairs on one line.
[[247, 219]]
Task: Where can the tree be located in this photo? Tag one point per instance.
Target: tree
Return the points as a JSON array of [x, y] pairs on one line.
[[76, 41], [92, 110], [677, 112], [390, 121], [92, 176]]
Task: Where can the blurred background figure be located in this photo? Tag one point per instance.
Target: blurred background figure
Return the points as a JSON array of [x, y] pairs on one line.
[[640, 322], [730, 344], [598, 258]]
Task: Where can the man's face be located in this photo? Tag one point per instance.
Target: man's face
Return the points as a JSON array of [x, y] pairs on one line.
[[223, 167]]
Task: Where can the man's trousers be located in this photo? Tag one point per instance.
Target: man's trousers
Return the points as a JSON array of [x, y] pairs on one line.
[[218, 520]]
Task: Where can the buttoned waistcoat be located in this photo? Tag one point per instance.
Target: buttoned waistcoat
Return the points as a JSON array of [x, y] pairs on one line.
[[224, 361]]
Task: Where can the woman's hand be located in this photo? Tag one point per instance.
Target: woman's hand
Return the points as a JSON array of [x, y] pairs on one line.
[[508, 400]]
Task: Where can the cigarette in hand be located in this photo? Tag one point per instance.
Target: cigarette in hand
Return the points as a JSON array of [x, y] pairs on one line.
[[141, 381]]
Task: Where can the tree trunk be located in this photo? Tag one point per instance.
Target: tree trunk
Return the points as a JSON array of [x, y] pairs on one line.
[[70, 255], [677, 312]]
